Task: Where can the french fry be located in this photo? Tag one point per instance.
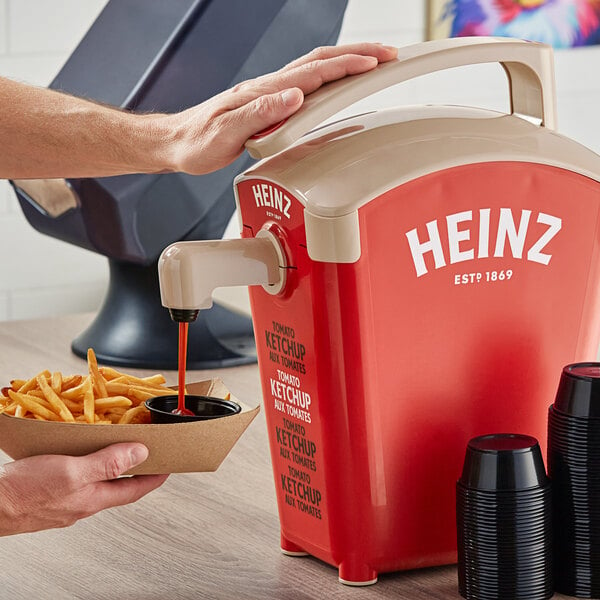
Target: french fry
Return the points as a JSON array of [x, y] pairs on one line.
[[10, 407], [103, 404], [30, 403], [39, 397], [70, 381], [114, 418], [57, 404], [156, 380], [73, 406], [109, 373], [31, 384], [116, 389], [88, 400], [137, 394], [56, 382], [152, 381], [142, 394], [104, 396], [133, 414], [76, 392], [97, 379]]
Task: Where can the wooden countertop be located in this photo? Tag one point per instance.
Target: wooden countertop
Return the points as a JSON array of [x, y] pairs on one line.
[[205, 535]]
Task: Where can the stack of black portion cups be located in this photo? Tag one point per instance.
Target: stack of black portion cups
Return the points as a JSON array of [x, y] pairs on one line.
[[574, 467], [504, 517]]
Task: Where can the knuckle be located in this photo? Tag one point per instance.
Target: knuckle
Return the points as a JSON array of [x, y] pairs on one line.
[[264, 105], [314, 66], [320, 53], [314, 73], [240, 87], [113, 467]]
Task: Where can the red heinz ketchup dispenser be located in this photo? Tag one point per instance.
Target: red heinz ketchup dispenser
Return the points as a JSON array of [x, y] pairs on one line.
[[426, 272]]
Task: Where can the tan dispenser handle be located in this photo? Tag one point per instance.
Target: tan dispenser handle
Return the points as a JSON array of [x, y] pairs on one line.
[[528, 65]]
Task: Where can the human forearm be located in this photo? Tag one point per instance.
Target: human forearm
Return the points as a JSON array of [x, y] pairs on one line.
[[45, 134], [48, 134]]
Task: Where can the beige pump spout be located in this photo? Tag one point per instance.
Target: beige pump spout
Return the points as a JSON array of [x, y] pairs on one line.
[[189, 272]]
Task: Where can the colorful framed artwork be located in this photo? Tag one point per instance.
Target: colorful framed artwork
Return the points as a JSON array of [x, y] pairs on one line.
[[559, 23]]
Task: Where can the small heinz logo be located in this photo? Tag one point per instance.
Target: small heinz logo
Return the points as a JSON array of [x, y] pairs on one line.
[[269, 196], [468, 240]]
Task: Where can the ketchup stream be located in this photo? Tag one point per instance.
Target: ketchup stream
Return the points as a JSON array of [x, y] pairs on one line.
[[183, 336]]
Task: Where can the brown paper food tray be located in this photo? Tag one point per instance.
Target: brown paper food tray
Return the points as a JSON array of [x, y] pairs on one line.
[[174, 448]]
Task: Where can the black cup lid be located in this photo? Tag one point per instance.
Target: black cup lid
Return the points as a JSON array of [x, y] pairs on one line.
[[503, 462], [203, 408], [503, 442], [578, 392]]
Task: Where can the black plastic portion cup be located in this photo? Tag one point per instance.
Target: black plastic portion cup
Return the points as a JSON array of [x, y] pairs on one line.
[[503, 462], [204, 408], [578, 392], [503, 520], [574, 467]]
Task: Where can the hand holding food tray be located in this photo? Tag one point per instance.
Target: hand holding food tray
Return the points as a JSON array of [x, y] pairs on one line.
[[51, 413]]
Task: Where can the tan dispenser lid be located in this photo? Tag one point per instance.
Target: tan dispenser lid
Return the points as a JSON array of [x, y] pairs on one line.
[[529, 67], [340, 167]]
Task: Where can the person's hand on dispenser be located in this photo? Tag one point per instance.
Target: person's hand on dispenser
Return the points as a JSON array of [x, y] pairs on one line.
[[44, 492], [47, 134], [212, 135]]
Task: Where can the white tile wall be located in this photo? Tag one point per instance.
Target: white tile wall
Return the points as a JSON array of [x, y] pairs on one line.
[[388, 21], [577, 70], [5, 198], [36, 37], [578, 118], [3, 29], [29, 68], [4, 312], [40, 27], [58, 300], [33, 260], [41, 276]]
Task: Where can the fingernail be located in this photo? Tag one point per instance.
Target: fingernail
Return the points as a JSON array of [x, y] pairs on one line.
[[291, 97], [138, 454]]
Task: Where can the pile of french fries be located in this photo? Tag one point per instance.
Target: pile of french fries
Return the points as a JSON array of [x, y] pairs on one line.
[[103, 397]]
